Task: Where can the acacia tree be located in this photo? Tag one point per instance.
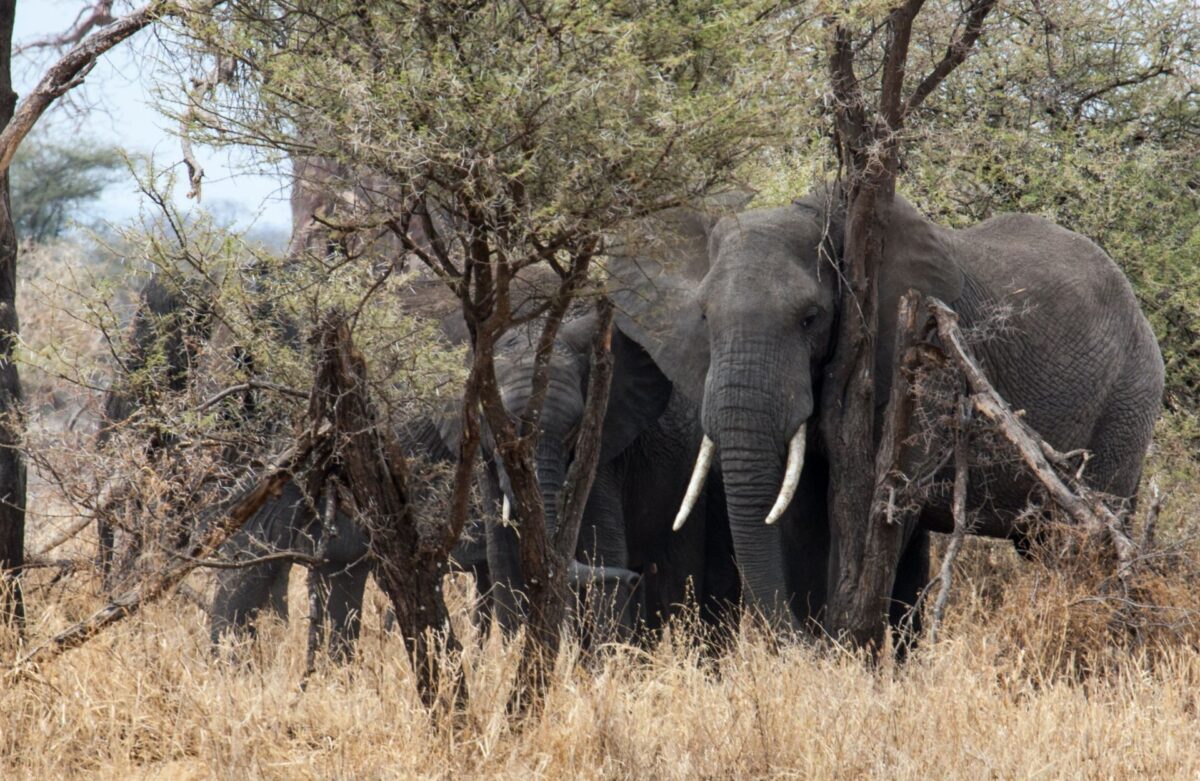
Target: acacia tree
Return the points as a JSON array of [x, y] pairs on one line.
[[868, 122], [511, 136]]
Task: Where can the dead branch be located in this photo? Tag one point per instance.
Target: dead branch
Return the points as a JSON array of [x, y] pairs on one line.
[[959, 512], [249, 385], [364, 456], [98, 15], [70, 71], [1083, 504], [201, 89], [286, 555], [129, 603]]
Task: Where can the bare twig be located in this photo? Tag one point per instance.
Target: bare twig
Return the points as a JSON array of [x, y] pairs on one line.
[[201, 89], [98, 15], [249, 385]]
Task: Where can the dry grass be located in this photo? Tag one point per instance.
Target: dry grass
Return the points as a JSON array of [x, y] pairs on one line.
[[996, 698], [1031, 679]]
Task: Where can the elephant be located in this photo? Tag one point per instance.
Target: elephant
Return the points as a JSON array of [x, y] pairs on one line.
[[627, 553], [337, 555], [630, 569], [740, 315]]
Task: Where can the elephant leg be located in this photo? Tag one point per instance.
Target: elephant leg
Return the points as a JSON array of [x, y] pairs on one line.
[[335, 600], [611, 598], [912, 575], [243, 594]]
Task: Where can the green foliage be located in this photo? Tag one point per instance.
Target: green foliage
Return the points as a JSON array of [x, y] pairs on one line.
[[543, 122], [52, 182]]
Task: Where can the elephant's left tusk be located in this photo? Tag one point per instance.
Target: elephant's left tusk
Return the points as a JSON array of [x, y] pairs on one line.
[[791, 475], [703, 462], [505, 511]]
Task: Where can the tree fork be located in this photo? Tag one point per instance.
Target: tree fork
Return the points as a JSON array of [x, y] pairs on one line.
[[868, 148]]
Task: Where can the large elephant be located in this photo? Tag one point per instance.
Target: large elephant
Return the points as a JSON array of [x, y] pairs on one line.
[[749, 339], [626, 555], [649, 438]]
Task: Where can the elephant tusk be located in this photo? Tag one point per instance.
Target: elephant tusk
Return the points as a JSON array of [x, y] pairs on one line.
[[791, 475], [703, 462], [505, 511]]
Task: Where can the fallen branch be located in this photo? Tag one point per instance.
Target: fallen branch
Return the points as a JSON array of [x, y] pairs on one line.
[[1083, 504], [959, 511], [205, 545]]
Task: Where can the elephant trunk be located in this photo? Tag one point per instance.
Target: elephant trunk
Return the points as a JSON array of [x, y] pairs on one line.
[[756, 414], [753, 471], [551, 465]]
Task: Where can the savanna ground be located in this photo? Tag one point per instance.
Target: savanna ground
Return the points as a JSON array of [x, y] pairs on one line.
[[1036, 674]]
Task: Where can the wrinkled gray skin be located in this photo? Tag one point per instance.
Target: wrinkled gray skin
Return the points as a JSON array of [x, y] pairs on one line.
[[630, 568], [748, 339]]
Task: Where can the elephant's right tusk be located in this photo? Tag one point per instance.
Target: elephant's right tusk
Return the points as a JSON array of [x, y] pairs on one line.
[[791, 475], [703, 462], [505, 511]]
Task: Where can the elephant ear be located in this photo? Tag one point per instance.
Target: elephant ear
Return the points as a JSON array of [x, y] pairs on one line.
[[637, 398], [638, 394], [655, 269], [917, 256]]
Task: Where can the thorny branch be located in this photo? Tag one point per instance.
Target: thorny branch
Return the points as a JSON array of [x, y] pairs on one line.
[[73, 67]]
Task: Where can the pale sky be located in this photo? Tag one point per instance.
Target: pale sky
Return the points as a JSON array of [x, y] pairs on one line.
[[120, 112]]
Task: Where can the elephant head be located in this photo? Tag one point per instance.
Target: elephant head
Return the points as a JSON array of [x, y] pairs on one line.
[[740, 312]]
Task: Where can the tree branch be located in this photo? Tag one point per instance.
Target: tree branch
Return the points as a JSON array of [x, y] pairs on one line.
[[955, 54], [156, 587], [69, 73], [582, 473], [98, 15]]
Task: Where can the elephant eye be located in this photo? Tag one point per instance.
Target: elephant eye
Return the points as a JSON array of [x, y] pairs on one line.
[[809, 319]]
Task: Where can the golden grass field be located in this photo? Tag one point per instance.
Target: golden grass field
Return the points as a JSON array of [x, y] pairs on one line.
[[1029, 680]]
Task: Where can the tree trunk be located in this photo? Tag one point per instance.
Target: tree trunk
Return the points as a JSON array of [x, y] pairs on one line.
[[411, 557], [12, 465], [866, 552]]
